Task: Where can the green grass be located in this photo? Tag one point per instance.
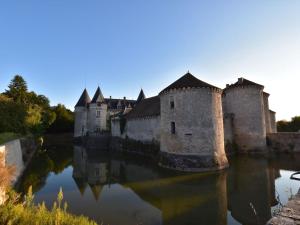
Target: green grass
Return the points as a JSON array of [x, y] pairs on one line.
[[8, 136], [16, 212]]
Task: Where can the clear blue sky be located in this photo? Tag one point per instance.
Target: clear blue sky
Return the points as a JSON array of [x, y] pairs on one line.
[[59, 45]]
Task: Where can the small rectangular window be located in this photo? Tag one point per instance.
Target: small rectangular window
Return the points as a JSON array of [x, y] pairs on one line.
[[172, 104], [173, 129], [98, 114]]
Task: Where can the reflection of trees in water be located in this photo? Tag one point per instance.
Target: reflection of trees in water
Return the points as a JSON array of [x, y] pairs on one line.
[[51, 158], [251, 189]]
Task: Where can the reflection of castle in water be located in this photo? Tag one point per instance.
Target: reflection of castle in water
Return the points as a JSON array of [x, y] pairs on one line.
[[247, 189], [251, 190]]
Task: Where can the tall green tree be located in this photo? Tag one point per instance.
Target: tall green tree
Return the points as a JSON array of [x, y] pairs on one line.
[[17, 89]]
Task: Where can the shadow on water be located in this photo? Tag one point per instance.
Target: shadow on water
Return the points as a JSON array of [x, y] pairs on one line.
[[120, 189]]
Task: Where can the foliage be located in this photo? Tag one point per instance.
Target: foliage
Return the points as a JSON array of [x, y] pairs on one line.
[[12, 116], [64, 120], [17, 89], [289, 126], [8, 136], [17, 212], [22, 111]]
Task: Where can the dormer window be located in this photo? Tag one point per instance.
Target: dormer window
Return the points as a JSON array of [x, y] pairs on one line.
[[98, 113]]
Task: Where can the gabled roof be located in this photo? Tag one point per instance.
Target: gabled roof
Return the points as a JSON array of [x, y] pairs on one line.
[[187, 80], [98, 97], [141, 96], [244, 82], [147, 107], [84, 99]]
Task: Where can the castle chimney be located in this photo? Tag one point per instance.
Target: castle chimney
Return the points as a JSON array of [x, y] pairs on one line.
[[124, 98], [110, 97], [240, 80], [227, 85]]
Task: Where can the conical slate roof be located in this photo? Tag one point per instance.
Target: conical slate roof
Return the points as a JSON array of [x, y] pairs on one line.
[[98, 97], [84, 99], [81, 184], [187, 80], [141, 96]]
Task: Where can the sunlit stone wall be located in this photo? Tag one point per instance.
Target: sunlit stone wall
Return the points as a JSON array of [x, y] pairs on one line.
[[13, 157], [247, 105], [198, 141]]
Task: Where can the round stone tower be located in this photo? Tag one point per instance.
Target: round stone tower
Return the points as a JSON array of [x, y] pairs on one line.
[[81, 115], [192, 134], [245, 100], [97, 114]]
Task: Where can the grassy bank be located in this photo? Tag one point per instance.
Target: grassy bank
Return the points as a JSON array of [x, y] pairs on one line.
[[17, 212], [8, 136]]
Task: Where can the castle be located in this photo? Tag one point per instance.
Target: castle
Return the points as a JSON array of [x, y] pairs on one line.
[[191, 121]]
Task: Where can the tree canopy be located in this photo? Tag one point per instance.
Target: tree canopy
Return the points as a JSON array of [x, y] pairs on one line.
[[289, 126], [23, 111]]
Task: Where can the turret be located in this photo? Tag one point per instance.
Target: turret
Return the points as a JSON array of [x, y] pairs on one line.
[[192, 134], [81, 114], [246, 101], [141, 96], [97, 115]]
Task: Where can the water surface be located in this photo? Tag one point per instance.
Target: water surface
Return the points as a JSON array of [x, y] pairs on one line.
[[129, 190]]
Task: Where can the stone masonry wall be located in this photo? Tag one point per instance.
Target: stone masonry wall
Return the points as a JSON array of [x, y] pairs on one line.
[[13, 157], [273, 122], [199, 131], [284, 142], [246, 103], [143, 129], [267, 112], [80, 121], [97, 122]]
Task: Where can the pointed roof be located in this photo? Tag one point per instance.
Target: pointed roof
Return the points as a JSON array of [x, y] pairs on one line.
[[188, 80], [84, 99], [96, 190], [81, 184], [98, 97], [141, 96]]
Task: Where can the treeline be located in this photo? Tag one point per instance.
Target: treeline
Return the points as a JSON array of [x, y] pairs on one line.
[[289, 126], [23, 111]]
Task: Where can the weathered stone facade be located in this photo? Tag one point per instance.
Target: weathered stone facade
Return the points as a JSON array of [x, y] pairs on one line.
[[246, 103], [198, 118], [194, 121]]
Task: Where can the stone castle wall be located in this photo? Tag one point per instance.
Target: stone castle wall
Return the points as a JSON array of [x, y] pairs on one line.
[[273, 122], [96, 122], [267, 112], [199, 134], [246, 103], [143, 129], [284, 142], [80, 126]]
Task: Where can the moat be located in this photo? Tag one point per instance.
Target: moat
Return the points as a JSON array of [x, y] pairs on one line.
[[130, 190]]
